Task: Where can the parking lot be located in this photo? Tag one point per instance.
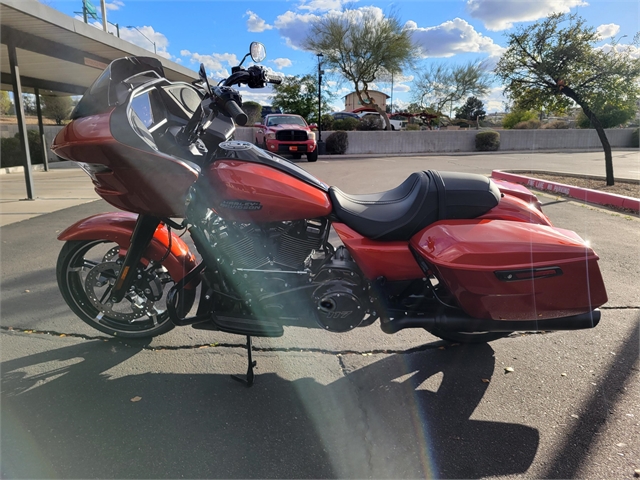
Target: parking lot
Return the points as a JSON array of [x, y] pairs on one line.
[[78, 404]]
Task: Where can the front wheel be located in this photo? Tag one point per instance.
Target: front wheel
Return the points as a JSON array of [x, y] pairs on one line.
[[312, 156], [467, 337], [86, 273]]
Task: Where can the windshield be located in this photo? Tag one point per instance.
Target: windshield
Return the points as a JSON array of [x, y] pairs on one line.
[[286, 120], [116, 82]]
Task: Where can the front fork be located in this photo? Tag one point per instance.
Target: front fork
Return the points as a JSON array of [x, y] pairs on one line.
[[142, 235]]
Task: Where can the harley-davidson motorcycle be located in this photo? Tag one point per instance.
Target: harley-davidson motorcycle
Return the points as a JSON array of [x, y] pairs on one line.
[[467, 258]]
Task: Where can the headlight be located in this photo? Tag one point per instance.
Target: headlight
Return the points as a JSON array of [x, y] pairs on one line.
[[271, 136], [311, 135]]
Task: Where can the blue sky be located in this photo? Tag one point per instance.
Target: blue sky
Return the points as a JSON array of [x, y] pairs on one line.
[[218, 32]]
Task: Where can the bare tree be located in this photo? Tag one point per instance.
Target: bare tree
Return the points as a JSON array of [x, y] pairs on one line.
[[361, 45], [444, 84]]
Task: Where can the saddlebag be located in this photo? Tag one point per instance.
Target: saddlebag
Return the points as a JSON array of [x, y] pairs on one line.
[[505, 270]]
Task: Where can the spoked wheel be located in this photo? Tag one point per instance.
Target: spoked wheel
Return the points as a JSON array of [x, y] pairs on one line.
[[467, 337], [87, 271]]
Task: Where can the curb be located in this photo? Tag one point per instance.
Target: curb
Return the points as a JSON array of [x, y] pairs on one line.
[[8, 170], [584, 194]]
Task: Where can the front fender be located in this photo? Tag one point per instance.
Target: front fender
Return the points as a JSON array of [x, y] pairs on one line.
[[118, 227]]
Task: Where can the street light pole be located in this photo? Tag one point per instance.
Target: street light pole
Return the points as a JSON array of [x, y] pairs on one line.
[[320, 72], [154, 43]]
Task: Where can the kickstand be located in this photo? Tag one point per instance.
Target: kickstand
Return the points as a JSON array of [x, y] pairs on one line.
[[248, 381]]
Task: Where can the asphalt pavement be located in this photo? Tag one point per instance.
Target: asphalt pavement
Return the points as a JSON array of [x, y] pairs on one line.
[[79, 404]]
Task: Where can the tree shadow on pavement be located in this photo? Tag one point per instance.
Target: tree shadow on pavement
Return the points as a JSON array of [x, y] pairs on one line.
[[65, 415]]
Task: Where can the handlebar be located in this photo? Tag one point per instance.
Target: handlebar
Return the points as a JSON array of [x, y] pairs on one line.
[[224, 99], [236, 113]]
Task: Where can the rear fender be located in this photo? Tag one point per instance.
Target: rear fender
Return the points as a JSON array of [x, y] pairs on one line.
[[118, 227], [519, 191], [516, 209]]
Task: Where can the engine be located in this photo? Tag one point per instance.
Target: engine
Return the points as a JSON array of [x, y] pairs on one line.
[[282, 246], [285, 271]]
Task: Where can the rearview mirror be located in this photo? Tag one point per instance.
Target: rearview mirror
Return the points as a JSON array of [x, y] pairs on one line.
[[257, 51]]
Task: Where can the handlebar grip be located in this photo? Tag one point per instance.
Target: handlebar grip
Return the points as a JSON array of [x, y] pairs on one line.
[[275, 79], [236, 113]]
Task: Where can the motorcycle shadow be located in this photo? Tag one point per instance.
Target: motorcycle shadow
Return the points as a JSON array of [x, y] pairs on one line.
[[71, 413]]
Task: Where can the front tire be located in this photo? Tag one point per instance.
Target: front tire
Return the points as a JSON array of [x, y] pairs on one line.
[[86, 271], [312, 156], [467, 337]]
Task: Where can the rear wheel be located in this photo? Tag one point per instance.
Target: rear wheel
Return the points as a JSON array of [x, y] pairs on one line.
[[312, 156], [467, 337], [86, 273]]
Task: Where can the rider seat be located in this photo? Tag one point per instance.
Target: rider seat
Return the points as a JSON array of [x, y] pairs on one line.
[[422, 199]]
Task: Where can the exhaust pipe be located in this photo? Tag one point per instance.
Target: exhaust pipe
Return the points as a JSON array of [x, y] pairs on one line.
[[458, 321]]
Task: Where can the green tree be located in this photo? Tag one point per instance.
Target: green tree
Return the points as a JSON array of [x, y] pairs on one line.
[[443, 84], [56, 108], [5, 103], [253, 111], [554, 61], [472, 110], [362, 46], [609, 115], [299, 95], [516, 116]]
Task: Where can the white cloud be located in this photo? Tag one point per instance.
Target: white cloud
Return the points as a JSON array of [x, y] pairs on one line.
[[134, 36], [608, 30], [282, 63], [450, 38], [321, 5], [495, 100], [255, 23], [294, 27], [502, 14], [115, 5], [401, 88], [634, 52], [214, 63]]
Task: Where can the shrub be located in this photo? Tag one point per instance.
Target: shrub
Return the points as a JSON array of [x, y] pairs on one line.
[[413, 126], [555, 124], [370, 122], [528, 125], [346, 124], [253, 111], [517, 116], [326, 122], [635, 138], [487, 141], [338, 142], [11, 151]]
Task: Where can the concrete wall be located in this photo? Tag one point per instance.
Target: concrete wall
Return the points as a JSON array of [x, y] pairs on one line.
[[50, 132], [562, 139], [449, 141]]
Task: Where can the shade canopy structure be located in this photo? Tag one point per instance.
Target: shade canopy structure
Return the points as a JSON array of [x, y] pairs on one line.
[[46, 52]]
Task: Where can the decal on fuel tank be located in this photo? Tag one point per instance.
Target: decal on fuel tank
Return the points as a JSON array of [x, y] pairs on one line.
[[241, 205]]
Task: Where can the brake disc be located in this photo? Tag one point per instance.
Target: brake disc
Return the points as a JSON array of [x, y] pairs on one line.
[[98, 285]]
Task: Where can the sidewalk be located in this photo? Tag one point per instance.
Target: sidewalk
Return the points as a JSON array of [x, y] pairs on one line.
[[54, 190]]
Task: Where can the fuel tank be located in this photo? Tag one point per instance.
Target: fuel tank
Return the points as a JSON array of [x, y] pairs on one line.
[[247, 184]]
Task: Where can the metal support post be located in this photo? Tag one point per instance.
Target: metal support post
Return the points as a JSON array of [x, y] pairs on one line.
[[43, 140], [22, 125], [104, 15]]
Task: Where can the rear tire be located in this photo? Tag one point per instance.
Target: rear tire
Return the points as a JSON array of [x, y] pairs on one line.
[[467, 337], [312, 156], [84, 264]]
